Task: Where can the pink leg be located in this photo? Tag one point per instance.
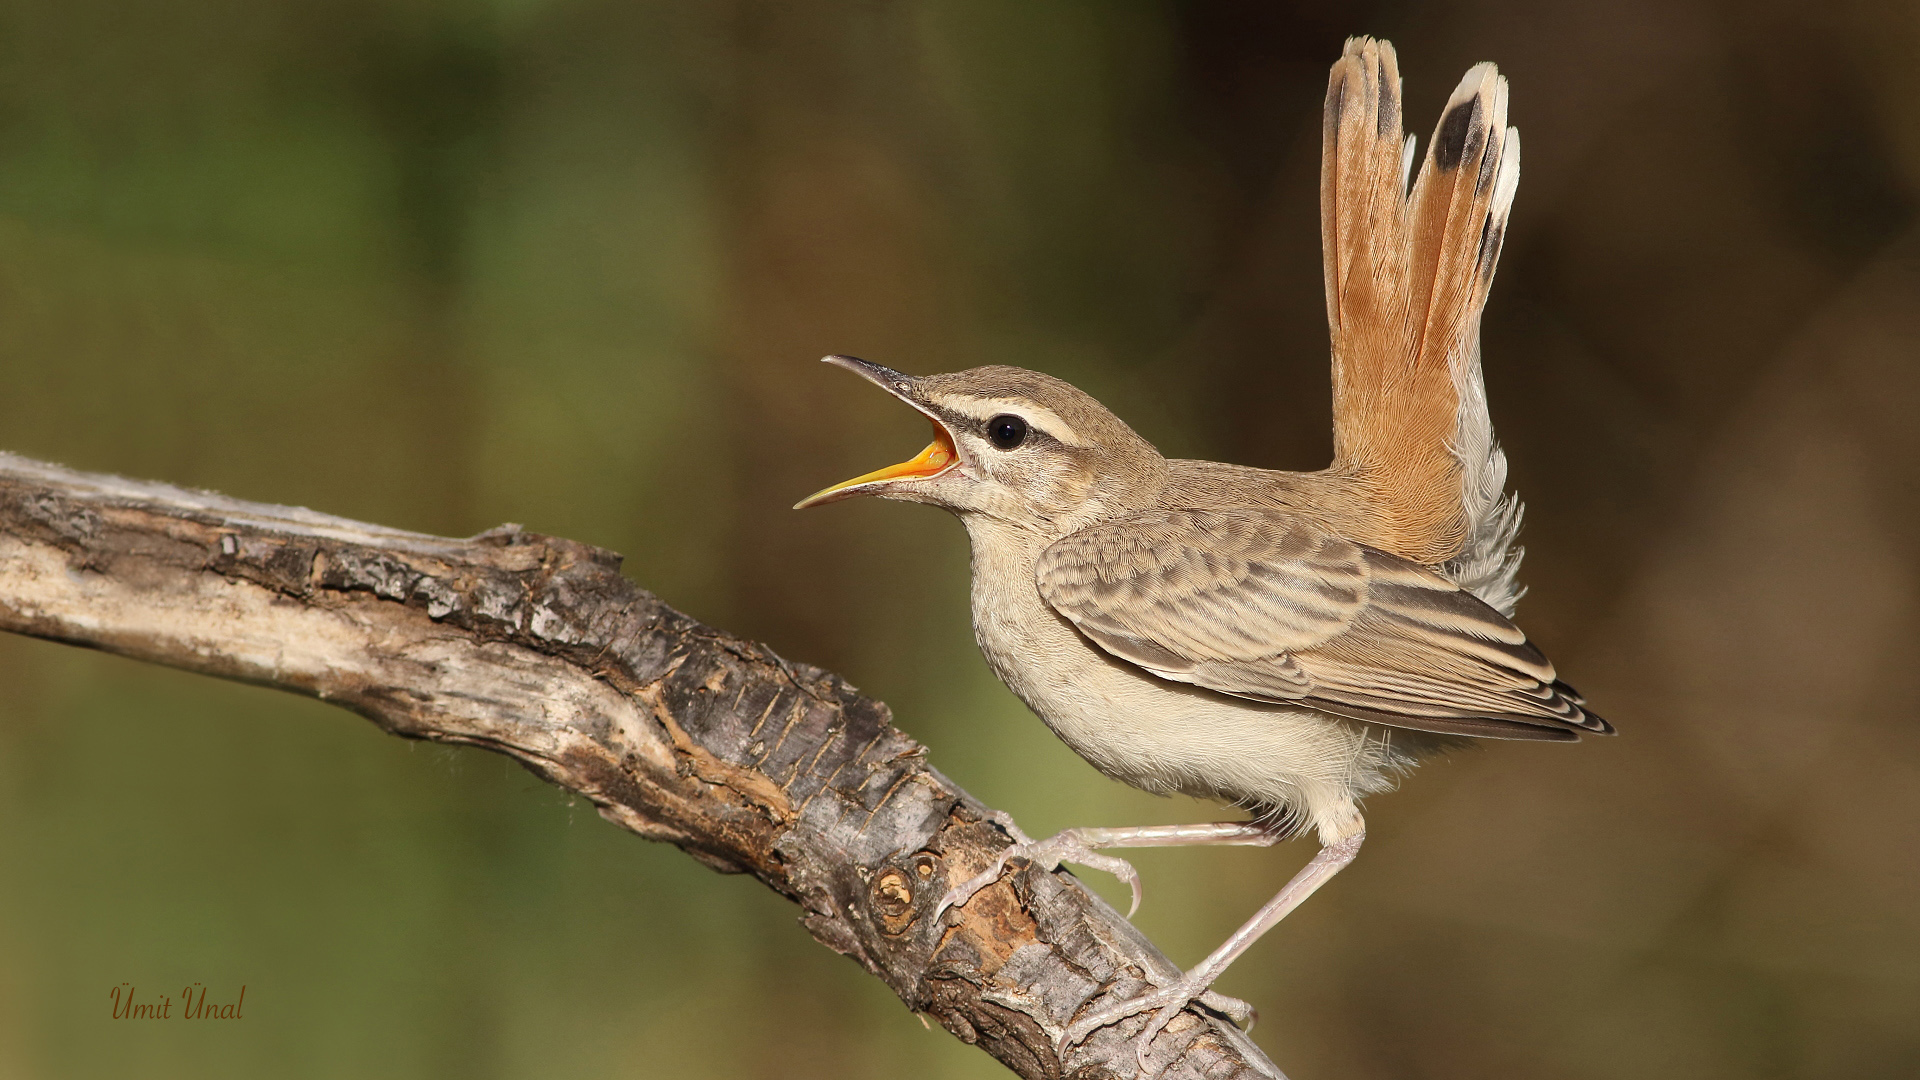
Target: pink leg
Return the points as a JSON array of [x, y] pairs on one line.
[[1081, 846], [1193, 984]]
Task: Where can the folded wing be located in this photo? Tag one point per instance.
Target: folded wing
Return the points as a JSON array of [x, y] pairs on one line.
[[1258, 605]]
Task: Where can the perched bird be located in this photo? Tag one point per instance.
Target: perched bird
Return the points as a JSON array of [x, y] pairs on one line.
[[1281, 641]]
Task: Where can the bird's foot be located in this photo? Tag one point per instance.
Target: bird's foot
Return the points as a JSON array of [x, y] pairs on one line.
[[1165, 1003], [1067, 846], [1238, 1013]]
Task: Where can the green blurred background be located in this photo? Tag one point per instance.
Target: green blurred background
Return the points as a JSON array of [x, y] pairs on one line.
[[441, 265]]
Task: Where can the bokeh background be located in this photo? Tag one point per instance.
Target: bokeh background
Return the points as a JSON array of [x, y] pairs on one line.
[[446, 263]]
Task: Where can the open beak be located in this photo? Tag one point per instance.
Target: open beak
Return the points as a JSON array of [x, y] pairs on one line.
[[938, 457]]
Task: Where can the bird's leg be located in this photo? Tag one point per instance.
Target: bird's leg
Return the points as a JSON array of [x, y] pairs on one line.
[[1194, 984], [1081, 846]]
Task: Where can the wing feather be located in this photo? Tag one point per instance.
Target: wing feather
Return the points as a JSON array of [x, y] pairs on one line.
[[1258, 604]]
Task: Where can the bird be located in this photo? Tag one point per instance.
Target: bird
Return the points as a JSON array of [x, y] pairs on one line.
[[1284, 642]]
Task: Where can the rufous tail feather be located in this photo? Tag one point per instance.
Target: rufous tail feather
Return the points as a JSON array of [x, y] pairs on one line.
[[1407, 274]]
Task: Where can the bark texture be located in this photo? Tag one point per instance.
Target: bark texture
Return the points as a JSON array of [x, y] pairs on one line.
[[538, 648]]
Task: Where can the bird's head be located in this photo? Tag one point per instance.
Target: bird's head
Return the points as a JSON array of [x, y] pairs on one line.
[[1010, 444]]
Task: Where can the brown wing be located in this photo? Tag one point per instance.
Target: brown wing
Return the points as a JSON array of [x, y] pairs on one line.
[[1261, 606], [1219, 600], [1407, 274]]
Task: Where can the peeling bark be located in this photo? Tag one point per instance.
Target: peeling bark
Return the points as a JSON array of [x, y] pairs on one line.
[[536, 647]]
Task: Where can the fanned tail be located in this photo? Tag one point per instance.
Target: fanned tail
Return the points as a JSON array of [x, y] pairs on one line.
[[1407, 276]]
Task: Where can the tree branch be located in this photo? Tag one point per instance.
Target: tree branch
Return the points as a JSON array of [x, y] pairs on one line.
[[536, 647]]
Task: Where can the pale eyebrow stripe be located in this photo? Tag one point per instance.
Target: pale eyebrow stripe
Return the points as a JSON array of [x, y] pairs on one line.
[[1037, 415]]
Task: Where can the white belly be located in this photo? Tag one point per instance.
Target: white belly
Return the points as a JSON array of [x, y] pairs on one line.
[[1162, 736]]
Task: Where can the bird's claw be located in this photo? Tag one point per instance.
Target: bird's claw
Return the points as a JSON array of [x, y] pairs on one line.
[[964, 891], [1166, 1004], [1112, 864], [1238, 1013], [1067, 846]]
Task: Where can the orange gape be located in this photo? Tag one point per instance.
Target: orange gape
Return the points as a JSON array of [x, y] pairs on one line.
[[934, 460]]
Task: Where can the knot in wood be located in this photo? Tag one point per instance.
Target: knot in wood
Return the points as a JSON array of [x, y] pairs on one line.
[[893, 896]]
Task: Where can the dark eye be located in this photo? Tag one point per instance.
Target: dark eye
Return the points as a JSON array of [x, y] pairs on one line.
[[1007, 431]]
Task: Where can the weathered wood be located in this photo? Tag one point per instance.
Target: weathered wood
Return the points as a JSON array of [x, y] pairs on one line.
[[538, 648]]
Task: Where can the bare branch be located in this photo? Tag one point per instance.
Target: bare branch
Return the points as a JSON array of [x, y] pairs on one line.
[[536, 647]]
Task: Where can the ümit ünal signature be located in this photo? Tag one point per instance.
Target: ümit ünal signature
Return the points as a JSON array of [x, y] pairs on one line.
[[193, 1006]]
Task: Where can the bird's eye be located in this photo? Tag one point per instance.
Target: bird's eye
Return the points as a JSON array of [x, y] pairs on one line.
[[1007, 431]]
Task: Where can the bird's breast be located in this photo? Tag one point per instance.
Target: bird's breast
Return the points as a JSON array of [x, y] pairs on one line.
[[1138, 728]]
